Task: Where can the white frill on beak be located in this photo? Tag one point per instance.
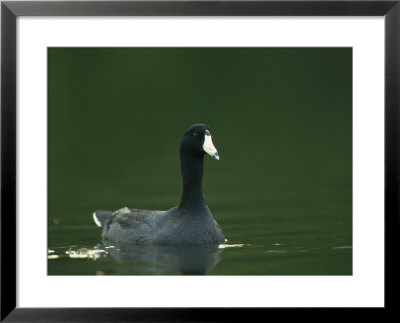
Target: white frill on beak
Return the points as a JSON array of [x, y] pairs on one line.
[[208, 146]]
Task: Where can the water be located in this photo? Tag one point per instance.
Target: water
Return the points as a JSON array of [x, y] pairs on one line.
[[284, 243], [281, 121], [265, 253]]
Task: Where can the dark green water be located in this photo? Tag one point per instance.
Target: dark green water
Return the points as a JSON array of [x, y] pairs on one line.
[[281, 121]]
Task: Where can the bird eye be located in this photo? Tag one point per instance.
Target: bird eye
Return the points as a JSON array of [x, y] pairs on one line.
[[195, 135]]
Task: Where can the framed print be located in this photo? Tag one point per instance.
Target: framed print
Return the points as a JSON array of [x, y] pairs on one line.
[[179, 154]]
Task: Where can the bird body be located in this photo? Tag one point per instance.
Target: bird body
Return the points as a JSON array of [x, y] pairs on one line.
[[189, 223]]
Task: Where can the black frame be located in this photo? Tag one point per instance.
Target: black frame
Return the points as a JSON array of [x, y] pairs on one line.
[[10, 10]]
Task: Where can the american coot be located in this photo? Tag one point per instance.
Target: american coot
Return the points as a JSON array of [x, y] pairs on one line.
[[189, 223]]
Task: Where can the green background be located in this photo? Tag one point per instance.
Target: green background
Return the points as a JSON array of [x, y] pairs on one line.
[[282, 123]]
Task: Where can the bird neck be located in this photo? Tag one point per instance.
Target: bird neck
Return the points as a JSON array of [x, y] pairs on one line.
[[192, 176]]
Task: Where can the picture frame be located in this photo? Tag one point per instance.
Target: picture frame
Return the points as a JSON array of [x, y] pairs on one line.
[[11, 10]]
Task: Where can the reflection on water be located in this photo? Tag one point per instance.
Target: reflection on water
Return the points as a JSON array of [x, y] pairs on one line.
[[187, 260], [75, 250], [86, 253]]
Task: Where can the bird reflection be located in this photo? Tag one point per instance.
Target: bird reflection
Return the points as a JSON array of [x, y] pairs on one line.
[[188, 260]]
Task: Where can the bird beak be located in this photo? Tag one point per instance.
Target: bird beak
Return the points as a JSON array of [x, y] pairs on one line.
[[208, 146]]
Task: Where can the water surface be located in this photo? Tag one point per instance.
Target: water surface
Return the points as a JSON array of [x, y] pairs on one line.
[[281, 121], [259, 245]]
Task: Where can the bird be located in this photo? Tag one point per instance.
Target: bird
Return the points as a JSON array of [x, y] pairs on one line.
[[189, 223]]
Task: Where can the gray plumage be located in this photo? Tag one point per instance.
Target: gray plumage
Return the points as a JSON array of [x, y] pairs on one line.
[[189, 223]]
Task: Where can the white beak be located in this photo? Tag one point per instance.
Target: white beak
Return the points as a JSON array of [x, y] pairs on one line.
[[209, 148]]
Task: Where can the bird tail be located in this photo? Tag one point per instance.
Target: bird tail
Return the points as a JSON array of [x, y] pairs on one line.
[[101, 218]]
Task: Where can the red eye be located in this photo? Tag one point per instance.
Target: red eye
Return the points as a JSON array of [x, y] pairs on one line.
[[195, 135]]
